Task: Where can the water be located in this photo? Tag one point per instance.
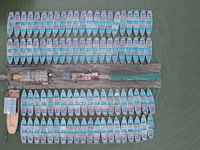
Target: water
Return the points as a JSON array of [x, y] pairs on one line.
[[176, 41]]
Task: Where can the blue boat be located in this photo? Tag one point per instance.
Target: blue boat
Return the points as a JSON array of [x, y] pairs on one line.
[[24, 99], [56, 103], [103, 20], [89, 22], [63, 23], [137, 129], [56, 50], [131, 130], [50, 22], [109, 49], [117, 131], [29, 50], [63, 103], [23, 24], [43, 103], [104, 103], [148, 49], [129, 50], [76, 50], [150, 124], [124, 130], [50, 108], [36, 51], [137, 102], [63, 50], [104, 131], [82, 49], [129, 25], [69, 52], [110, 130], [17, 51], [83, 103], [135, 49], [36, 20], [49, 53], [97, 131], [82, 22], [70, 131], [10, 51], [124, 102], [90, 103], [23, 53], [77, 131], [117, 102], [56, 131], [96, 50], [84, 129], [151, 102], [36, 131], [115, 52], [23, 131], [136, 22], [70, 103], [10, 24], [56, 24], [96, 23], [143, 128], [17, 23], [111, 102], [70, 19], [43, 23], [89, 50], [30, 24], [97, 102], [30, 130], [63, 131], [76, 22], [130, 102], [43, 49], [122, 50], [144, 102], [103, 51], [43, 131], [50, 131], [149, 22], [77, 103], [37, 103], [109, 23], [142, 22], [90, 127], [142, 50], [123, 23], [30, 103], [116, 22]]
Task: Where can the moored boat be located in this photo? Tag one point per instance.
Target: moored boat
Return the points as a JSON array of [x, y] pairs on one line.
[[56, 24], [148, 47], [43, 103], [24, 99], [142, 50], [82, 22], [23, 24], [56, 103], [63, 131], [96, 49], [43, 131], [84, 103], [109, 23], [56, 50], [111, 102], [23, 131], [130, 102], [76, 50], [103, 51], [97, 130], [89, 23], [50, 22], [136, 22], [90, 136], [124, 130], [17, 24], [63, 23], [110, 131], [43, 23], [115, 52], [123, 23], [129, 25], [104, 135], [69, 48], [76, 22], [43, 47], [70, 131], [69, 25], [135, 49], [37, 103], [117, 102], [149, 22], [63, 103], [17, 51], [50, 130], [77, 132], [30, 50], [36, 50], [109, 50], [10, 24], [144, 102], [84, 129], [30, 130], [150, 125], [82, 50], [30, 24], [104, 102], [23, 53], [102, 23], [122, 49], [88, 50], [56, 131], [137, 129], [10, 51], [97, 102], [96, 22], [70, 103], [117, 130], [90, 102], [49, 54], [137, 102], [130, 126], [116, 22], [143, 127], [36, 20], [63, 50], [30, 103], [142, 22], [124, 102], [129, 50], [151, 102], [77, 103], [50, 103], [36, 131]]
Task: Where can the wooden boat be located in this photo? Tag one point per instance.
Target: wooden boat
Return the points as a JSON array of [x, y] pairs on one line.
[[96, 22], [96, 49], [56, 103], [123, 23], [82, 50], [143, 128], [36, 131], [30, 50], [142, 22], [109, 23], [97, 131], [135, 49], [142, 50], [116, 22], [36, 20], [122, 50], [43, 103], [77, 103], [56, 50], [70, 103], [144, 102], [10, 51], [50, 131], [10, 24], [84, 129], [70, 131], [151, 102], [89, 50], [63, 50], [129, 25], [150, 125], [104, 134], [76, 22], [90, 127], [17, 51], [56, 131], [63, 131], [49, 53], [109, 50], [124, 102], [124, 130], [63, 103], [37, 103], [30, 103], [84, 103], [82, 22], [30, 24], [89, 22], [136, 22], [137, 129], [70, 19], [130, 102], [97, 102], [23, 131], [23, 24], [69, 52], [137, 102], [131, 131], [17, 24], [117, 131], [148, 47], [129, 50], [77, 130], [36, 50], [115, 51], [50, 108], [117, 102], [102, 50], [23, 53], [50, 23], [111, 102], [43, 23], [104, 103], [43, 131], [110, 130], [90, 103], [102, 24], [43, 47], [24, 99], [56, 24], [63, 23], [76, 50], [30, 130]]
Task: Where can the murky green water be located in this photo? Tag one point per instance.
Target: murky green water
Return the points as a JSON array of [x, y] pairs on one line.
[[175, 39]]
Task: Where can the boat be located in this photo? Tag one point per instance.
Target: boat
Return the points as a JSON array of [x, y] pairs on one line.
[[151, 102], [37, 103], [111, 102], [130, 126], [17, 51], [56, 131], [82, 22], [30, 130], [50, 108], [70, 131], [109, 50], [77, 103], [142, 50], [115, 51], [90, 127], [89, 50], [117, 130], [56, 24], [143, 127], [50, 131], [24, 100], [123, 23], [104, 103], [43, 131], [56, 103], [69, 52], [117, 102], [23, 51], [148, 47], [43, 23], [56, 50], [10, 24], [129, 50], [23, 24], [30, 50], [144, 102], [110, 130], [102, 23], [63, 103], [23, 131], [136, 22], [137, 129], [89, 23], [43, 47], [124, 102], [17, 24], [82, 50], [30, 103], [50, 23], [102, 50], [124, 130], [150, 125], [104, 134], [83, 103], [36, 51], [109, 23], [122, 50], [63, 50], [70, 19], [63, 131], [90, 102], [137, 102], [36, 131], [70, 103], [96, 49], [136, 49], [130, 102], [36, 20], [76, 50], [76, 22], [30, 24], [10, 51], [97, 130], [97, 102], [84, 129], [115, 23], [63, 23], [129, 25], [142, 22], [77, 132], [149, 22], [49, 53], [96, 22], [43, 103]]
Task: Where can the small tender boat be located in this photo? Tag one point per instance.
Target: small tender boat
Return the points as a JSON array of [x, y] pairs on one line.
[[124, 102], [56, 50], [109, 50], [124, 130], [50, 22], [84, 129], [17, 24], [97, 131], [104, 135], [150, 125], [148, 47], [89, 50], [10, 51], [30, 25], [130, 102], [143, 127], [82, 49], [137, 129], [10, 23], [77, 131], [82, 22], [117, 102], [90, 127], [84, 103], [129, 50], [117, 130], [76, 50], [97, 102], [144, 102], [36, 50], [50, 130], [142, 22], [43, 23], [151, 102], [131, 130], [56, 103], [63, 50], [36, 131], [90, 102], [37, 103], [76, 23], [135, 49], [30, 103], [69, 25], [142, 50], [109, 23], [111, 102], [63, 103], [56, 24], [96, 50], [43, 131], [89, 23], [137, 102], [103, 21], [63, 23], [70, 131], [50, 108], [17, 51], [116, 22], [129, 25], [77, 103], [43, 47], [104, 103], [123, 23], [23, 53], [149, 22], [30, 130], [110, 130], [115, 52], [122, 49], [96, 22], [49, 54], [136, 22], [43, 103], [36, 20], [56, 131], [24, 99], [23, 24], [69, 52], [70, 103], [63, 131], [23, 131], [30, 50]]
